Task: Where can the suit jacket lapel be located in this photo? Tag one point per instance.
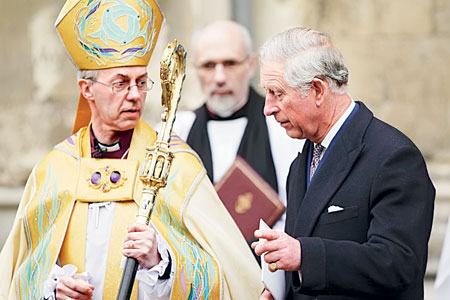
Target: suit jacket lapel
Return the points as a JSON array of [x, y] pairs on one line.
[[296, 185], [332, 172]]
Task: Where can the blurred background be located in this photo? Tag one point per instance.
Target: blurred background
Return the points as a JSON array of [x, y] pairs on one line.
[[397, 52]]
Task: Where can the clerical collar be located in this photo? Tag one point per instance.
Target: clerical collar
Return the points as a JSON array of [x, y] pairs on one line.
[[237, 114], [115, 150]]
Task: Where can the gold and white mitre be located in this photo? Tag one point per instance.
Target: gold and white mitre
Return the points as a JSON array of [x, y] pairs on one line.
[[102, 34]]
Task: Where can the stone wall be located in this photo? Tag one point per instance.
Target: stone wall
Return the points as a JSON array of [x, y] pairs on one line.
[[397, 52]]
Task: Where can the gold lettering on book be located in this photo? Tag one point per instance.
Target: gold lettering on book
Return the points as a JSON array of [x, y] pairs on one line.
[[243, 203]]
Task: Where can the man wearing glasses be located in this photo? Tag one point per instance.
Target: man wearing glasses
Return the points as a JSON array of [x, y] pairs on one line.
[[231, 121], [75, 225]]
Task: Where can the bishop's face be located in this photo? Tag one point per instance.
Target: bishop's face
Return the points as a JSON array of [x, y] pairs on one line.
[[115, 109]]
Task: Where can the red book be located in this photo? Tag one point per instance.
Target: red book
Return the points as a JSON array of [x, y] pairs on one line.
[[248, 198]]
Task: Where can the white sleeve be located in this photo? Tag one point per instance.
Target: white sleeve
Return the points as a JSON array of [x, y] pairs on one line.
[[151, 286], [55, 274], [50, 283]]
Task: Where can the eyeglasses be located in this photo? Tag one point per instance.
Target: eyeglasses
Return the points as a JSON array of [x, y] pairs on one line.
[[228, 65], [143, 85]]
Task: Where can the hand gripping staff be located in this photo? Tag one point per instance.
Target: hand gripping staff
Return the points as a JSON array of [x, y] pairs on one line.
[[158, 158]]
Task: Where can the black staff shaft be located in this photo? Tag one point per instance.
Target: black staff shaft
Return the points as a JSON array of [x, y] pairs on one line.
[[126, 284]]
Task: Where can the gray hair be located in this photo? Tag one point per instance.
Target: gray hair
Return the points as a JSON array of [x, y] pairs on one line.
[[245, 35], [306, 54], [87, 74]]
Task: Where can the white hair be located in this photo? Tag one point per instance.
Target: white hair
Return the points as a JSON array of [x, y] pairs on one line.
[[87, 74], [243, 31], [306, 54]]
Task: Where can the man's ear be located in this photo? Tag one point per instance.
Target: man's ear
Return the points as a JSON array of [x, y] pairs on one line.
[[319, 87], [86, 89]]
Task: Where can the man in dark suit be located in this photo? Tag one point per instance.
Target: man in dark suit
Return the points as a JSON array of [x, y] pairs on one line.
[[360, 200]]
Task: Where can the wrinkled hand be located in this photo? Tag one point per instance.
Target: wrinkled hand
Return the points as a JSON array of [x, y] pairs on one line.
[[281, 249], [266, 295], [140, 243], [73, 288]]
